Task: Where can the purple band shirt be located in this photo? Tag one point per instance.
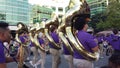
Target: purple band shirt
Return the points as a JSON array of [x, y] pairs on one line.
[[87, 40], [41, 41], [55, 38], [22, 39], [2, 55], [114, 41]]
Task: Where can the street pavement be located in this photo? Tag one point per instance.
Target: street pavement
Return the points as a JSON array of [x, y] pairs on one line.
[[97, 64]]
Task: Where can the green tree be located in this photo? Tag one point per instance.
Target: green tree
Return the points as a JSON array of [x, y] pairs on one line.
[[97, 21], [113, 16]]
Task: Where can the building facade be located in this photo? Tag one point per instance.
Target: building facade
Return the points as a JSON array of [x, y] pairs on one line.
[[14, 11], [97, 6], [39, 13], [58, 6], [60, 10]]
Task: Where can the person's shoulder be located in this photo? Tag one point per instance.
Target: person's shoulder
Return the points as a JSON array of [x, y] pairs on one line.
[[88, 34], [82, 32]]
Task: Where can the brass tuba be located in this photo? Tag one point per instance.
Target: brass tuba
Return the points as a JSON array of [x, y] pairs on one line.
[[48, 24], [34, 32], [77, 7], [22, 56], [62, 34]]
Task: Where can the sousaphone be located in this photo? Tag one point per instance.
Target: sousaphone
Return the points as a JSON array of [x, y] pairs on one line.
[[22, 49], [48, 24], [77, 7]]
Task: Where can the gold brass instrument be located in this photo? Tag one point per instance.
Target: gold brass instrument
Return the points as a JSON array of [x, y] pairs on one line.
[[53, 21], [21, 52], [62, 35], [78, 7], [34, 32], [22, 48]]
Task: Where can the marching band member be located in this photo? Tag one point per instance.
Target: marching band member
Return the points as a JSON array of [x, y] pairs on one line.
[[22, 30], [5, 36], [42, 54], [114, 41], [24, 40], [86, 39], [34, 51], [68, 56], [35, 54], [53, 51]]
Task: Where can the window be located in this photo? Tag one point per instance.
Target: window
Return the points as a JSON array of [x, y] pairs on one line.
[[2, 16], [60, 9], [103, 4], [60, 16], [54, 8]]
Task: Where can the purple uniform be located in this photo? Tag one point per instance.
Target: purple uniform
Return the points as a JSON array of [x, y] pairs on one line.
[[41, 41], [65, 50], [108, 38], [100, 39], [2, 55], [31, 44], [22, 39], [87, 40], [55, 38], [114, 41]]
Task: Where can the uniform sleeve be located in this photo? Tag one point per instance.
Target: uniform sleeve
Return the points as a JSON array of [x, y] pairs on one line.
[[2, 55]]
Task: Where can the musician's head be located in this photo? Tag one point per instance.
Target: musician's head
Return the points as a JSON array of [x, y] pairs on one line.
[[115, 31], [80, 22], [53, 28], [5, 35]]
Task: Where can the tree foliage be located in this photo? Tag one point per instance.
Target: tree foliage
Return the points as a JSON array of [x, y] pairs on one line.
[[110, 18]]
